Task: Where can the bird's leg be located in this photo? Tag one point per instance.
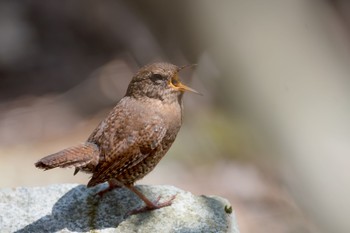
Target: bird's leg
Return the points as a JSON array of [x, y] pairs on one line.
[[112, 184], [149, 204]]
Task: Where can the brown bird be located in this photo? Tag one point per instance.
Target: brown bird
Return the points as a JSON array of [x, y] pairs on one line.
[[134, 137]]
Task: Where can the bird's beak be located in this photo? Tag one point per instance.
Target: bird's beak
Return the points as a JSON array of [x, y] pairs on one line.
[[187, 66], [183, 87], [175, 83]]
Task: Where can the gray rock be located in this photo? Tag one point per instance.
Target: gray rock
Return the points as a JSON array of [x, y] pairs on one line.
[[74, 208]]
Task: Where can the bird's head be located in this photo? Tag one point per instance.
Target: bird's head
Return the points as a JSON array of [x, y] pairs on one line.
[[158, 81]]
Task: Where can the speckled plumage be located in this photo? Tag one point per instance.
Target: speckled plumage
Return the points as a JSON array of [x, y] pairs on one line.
[[133, 138], [136, 134]]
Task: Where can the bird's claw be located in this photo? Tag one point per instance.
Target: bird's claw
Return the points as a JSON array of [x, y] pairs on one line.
[[155, 205]]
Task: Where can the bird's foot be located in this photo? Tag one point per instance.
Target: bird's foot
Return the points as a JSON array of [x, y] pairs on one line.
[[153, 205]]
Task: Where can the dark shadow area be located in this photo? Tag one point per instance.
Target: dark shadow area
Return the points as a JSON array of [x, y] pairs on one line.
[[79, 210]]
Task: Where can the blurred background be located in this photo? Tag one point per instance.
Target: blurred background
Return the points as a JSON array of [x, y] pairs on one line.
[[271, 133]]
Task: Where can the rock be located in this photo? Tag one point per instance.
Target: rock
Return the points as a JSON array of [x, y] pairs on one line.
[[75, 208]]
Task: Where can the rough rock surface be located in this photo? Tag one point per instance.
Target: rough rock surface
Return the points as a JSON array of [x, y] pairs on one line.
[[74, 208]]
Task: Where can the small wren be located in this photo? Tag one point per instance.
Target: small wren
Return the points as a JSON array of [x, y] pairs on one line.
[[134, 137]]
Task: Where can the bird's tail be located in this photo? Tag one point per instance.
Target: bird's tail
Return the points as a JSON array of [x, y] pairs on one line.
[[76, 156]]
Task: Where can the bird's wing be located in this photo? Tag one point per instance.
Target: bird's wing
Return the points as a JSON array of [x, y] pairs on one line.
[[124, 146]]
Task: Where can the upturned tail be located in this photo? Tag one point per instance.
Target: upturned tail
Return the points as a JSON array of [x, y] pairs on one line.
[[77, 156]]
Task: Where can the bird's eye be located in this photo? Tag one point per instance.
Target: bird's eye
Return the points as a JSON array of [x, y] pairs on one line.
[[156, 77]]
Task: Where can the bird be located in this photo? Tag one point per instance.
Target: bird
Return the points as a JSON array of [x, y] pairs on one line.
[[134, 137]]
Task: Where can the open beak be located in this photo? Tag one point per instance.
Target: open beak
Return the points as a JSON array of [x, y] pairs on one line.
[[175, 83]]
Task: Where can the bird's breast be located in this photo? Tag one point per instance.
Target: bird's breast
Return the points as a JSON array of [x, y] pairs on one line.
[[172, 115]]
